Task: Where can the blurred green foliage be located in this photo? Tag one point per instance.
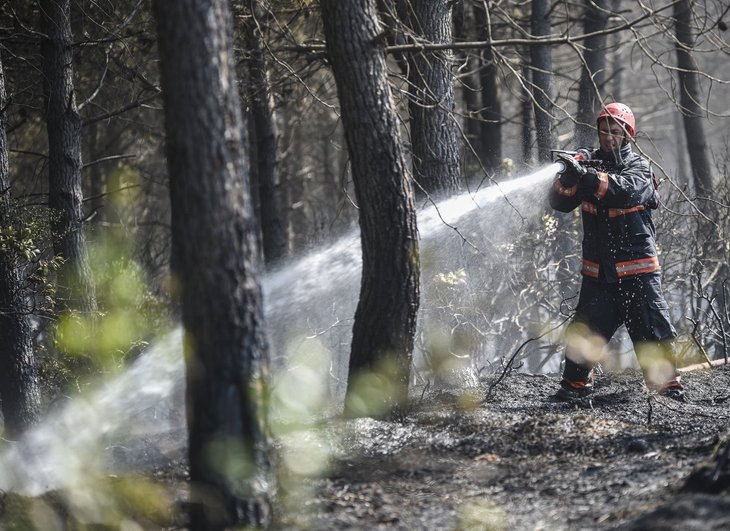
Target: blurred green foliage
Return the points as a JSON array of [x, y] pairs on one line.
[[130, 312]]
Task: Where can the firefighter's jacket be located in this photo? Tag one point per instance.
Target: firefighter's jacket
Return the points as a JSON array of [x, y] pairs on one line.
[[616, 202]]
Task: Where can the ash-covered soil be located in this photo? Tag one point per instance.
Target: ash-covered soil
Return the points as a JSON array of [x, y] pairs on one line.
[[523, 461], [626, 459]]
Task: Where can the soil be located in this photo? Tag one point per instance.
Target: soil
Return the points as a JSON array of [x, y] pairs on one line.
[[625, 459]]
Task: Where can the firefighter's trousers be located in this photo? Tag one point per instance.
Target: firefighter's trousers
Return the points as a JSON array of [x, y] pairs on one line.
[[636, 302]]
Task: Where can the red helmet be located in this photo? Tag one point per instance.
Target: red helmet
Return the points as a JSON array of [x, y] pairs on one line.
[[621, 113]]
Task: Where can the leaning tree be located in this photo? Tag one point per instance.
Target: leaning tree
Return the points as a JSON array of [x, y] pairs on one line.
[[385, 319]]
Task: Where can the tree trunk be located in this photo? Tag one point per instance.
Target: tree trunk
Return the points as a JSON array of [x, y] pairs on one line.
[[681, 147], [391, 12], [542, 67], [689, 97], [214, 240], [464, 29], [595, 18], [97, 180], [264, 140], [527, 114], [18, 383], [385, 319], [618, 62], [76, 287], [436, 164], [491, 115]]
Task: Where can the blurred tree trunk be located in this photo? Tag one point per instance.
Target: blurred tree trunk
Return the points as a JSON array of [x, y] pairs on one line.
[[542, 73], [618, 62], [216, 258], [76, 287], [96, 177], [300, 225], [491, 115], [689, 97], [465, 30], [391, 12], [385, 319], [681, 147], [19, 391], [436, 156], [595, 18], [713, 256], [264, 139], [331, 178], [526, 112]]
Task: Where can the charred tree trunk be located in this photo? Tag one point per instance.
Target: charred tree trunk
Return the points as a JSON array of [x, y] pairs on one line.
[[592, 77], [431, 106], [216, 260], [681, 147], [465, 30], [76, 287], [491, 115], [618, 63], [18, 383], [542, 86], [689, 97], [542, 67], [264, 140], [527, 114], [390, 13], [385, 319]]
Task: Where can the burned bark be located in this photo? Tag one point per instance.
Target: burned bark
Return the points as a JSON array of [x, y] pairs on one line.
[[465, 30], [385, 319], [595, 18], [435, 152], [689, 98], [216, 259], [18, 382], [526, 123], [491, 115], [76, 287], [542, 67], [263, 140]]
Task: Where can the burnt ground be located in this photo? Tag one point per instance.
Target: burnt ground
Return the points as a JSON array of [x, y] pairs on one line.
[[623, 460], [523, 461]]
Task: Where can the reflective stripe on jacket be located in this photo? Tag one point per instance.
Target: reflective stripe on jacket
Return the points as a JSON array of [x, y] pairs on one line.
[[616, 203]]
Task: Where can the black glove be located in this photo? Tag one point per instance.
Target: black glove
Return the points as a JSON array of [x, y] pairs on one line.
[[573, 171]]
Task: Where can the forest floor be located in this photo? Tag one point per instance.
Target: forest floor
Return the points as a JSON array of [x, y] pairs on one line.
[[524, 461], [625, 459]]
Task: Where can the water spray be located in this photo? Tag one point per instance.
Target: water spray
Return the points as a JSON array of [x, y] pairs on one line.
[[144, 401]]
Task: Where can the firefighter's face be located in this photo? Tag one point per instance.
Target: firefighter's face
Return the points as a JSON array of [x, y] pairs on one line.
[[610, 135]]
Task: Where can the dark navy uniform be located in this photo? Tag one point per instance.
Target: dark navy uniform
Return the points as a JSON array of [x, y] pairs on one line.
[[621, 271]]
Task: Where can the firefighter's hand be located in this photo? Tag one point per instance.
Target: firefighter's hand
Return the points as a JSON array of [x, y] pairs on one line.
[[573, 170]]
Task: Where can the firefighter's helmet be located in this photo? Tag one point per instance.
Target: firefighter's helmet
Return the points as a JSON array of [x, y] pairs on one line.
[[621, 113]]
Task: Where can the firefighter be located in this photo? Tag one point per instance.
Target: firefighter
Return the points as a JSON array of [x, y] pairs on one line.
[[621, 272]]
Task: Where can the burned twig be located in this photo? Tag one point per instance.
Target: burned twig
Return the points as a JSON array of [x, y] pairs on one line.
[[649, 413], [508, 368], [697, 341], [710, 303], [425, 389]]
